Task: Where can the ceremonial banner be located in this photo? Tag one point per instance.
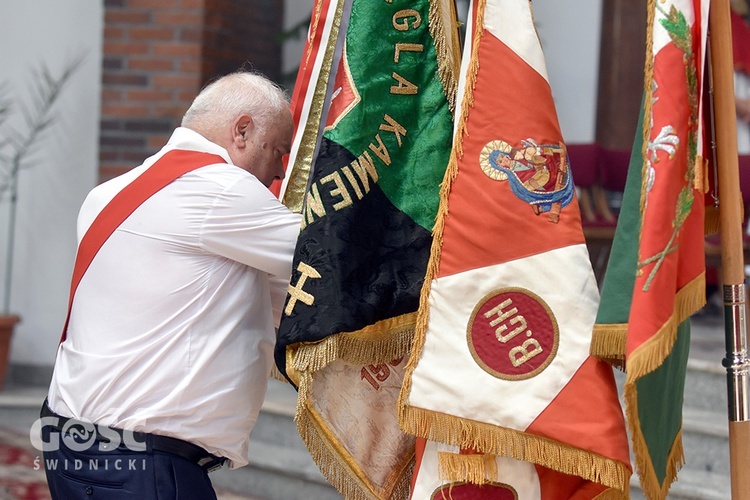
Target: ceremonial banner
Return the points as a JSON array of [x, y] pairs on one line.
[[512, 479], [500, 364], [656, 274], [374, 126], [309, 98]]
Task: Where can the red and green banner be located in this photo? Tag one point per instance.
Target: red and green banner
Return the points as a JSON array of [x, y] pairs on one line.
[[374, 121], [656, 274], [500, 372]]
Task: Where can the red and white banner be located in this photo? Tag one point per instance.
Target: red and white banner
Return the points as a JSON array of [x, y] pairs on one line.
[[514, 479], [308, 99], [501, 360]]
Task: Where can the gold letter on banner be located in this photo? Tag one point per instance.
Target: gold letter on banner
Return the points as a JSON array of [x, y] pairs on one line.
[[296, 293]]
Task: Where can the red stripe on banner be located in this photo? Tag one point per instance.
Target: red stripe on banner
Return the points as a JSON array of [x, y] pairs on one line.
[[556, 485], [419, 447], [504, 217], [680, 267], [586, 414], [304, 74]]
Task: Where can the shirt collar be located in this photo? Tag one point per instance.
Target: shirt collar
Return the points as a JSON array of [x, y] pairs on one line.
[[185, 138]]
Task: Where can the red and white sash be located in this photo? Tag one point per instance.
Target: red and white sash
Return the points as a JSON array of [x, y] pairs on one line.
[[168, 168]]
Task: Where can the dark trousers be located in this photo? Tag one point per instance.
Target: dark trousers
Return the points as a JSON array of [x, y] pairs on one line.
[[119, 473]]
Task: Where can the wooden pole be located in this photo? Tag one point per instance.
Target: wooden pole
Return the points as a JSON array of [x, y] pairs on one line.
[[732, 254]]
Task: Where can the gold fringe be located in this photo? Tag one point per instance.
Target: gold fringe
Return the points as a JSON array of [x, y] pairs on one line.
[[651, 354], [304, 387], [341, 471], [381, 342], [423, 313], [608, 343], [643, 465], [613, 494], [446, 48], [474, 468], [645, 359], [519, 445], [648, 81], [471, 81]]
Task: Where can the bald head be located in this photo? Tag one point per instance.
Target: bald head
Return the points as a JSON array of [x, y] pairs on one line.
[[249, 116], [222, 101]]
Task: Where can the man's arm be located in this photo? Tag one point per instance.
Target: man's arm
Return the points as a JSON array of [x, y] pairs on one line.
[[249, 225]]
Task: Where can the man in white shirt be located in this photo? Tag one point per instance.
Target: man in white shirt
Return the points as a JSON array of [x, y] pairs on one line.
[[178, 285]]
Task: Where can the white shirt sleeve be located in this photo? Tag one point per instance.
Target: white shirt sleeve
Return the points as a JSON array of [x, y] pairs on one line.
[[249, 225], [279, 288]]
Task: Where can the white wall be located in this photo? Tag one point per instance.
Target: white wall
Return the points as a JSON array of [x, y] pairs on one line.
[[64, 165], [570, 33]]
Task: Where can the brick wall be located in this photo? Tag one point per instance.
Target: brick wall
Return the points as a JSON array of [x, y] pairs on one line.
[[243, 34], [157, 56]]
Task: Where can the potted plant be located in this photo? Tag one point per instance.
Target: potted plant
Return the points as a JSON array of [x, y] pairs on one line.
[[18, 142]]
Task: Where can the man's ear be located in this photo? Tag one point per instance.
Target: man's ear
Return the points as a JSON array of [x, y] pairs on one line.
[[242, 127]]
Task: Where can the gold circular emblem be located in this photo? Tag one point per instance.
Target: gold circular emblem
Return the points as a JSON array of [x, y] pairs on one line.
[[484, 159]]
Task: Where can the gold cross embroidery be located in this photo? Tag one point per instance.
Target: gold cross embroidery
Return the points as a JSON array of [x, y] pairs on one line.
[[296, 293]]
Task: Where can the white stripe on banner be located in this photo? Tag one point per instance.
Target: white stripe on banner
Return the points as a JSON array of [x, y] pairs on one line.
[[521, 476], [330, 16], [508, 21], [555, 277]]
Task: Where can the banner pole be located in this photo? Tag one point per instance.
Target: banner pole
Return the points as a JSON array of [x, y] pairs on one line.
[[736, 362]]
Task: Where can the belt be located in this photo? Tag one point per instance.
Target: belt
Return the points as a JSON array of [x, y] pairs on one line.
[[166, 444]]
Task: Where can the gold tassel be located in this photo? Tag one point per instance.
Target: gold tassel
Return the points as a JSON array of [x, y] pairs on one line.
[[511, 443], [613, 494], [608, 343], [474, 468]]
